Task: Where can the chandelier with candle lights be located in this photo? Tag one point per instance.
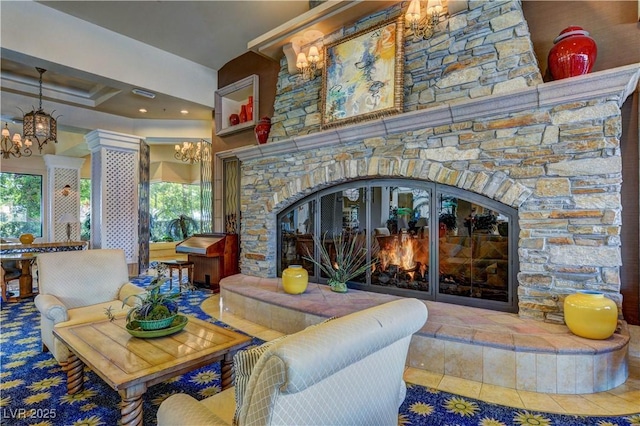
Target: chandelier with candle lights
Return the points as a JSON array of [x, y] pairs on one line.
[[189, 152]]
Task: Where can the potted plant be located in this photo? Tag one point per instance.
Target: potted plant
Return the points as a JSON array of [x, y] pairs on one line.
[[154, 309], [486, 222], [350, 259], [449, 220], [181, 227]]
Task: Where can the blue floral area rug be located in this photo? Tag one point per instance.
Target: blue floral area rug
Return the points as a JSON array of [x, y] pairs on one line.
[[33, 387]]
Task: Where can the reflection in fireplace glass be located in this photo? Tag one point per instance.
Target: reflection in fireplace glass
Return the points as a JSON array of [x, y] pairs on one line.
[[473, 248], [297, 236]]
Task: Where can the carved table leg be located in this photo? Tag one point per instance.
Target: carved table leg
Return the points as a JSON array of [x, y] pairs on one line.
[[226, 370], [131, 405], [75, 374]]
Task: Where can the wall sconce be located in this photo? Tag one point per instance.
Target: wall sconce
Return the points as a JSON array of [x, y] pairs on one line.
[[423, 26], [304, 54], [66, 190], [308, 65]]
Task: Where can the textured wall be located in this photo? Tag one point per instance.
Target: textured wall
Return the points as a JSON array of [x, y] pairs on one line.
[[483, 51]]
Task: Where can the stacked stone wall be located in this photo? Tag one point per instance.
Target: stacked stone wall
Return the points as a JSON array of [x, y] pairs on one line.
[[559, 165], [484, 51]]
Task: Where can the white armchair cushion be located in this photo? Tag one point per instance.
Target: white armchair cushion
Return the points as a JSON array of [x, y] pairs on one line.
[[243, 363], [81, 278], [186, 410]]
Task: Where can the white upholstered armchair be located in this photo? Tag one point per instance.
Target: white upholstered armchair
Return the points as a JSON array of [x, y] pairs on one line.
[[347, 371], [76, 287]]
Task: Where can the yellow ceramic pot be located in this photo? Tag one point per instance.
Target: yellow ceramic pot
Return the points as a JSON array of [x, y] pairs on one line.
[[590, 314], [295, 279], [27, 238]]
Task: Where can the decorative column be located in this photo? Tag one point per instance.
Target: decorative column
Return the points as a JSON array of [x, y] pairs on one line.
[[114, 192], [63, 186]]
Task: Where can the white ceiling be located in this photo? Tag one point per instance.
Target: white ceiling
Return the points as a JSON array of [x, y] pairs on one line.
[[199, 36], [210, 33]]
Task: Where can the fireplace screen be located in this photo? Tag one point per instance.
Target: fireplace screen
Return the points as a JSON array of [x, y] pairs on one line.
[[428, 241]]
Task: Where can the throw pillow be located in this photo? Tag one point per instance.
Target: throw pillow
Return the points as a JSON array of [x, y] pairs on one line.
[[243, 363]]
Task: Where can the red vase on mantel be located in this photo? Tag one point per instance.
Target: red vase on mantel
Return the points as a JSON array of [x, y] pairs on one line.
[[573, 53], [262, 130], [250, 109], [243, 114]]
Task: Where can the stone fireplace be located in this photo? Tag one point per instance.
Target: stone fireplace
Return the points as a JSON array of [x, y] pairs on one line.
[[477, 118]]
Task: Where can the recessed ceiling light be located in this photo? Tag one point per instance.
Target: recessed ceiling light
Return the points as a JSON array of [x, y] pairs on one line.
[[142, 110], [184, 111]]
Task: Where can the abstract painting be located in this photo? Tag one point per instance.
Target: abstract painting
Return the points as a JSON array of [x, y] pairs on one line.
[[363, 75]]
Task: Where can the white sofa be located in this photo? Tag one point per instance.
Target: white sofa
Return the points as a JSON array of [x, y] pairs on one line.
[[76, 287], [347, 371]]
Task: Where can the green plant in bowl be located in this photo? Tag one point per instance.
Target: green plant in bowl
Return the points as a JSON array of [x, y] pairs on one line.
[[154, 308]]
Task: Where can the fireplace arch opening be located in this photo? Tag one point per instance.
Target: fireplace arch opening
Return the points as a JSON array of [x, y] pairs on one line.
[[432, 241]]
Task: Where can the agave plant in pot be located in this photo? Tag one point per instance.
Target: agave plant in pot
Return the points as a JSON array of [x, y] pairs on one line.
[[342, 258]]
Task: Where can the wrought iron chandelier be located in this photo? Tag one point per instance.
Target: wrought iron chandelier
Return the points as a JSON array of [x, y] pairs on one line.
[[38, 124], [189, 152]]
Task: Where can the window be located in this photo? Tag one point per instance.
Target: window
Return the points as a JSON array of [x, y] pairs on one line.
[[85, 209], [175, 211], [20, 205]]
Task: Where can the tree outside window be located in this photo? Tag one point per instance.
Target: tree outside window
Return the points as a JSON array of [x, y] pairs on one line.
[[175, 211], [20, 205], [85, 209]]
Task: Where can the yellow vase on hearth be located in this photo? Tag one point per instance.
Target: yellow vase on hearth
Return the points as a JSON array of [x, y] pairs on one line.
[[295, 279], [590, 314]]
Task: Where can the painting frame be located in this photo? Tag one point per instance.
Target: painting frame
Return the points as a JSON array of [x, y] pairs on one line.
[[363, 75]]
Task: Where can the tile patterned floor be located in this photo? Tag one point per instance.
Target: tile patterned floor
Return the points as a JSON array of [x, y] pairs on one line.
[[624, 399]]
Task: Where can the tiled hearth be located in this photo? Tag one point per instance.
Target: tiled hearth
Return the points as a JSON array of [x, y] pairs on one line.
[[485, 346]]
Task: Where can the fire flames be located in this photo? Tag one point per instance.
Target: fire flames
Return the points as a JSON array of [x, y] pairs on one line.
[[399, 252], [403, 261]]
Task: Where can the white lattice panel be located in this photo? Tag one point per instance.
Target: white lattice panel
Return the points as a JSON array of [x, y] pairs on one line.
[[65, 204], [120, 201], [96, 185]]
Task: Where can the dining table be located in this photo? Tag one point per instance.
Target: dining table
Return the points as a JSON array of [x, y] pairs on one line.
[[25, 262], [25, 255]]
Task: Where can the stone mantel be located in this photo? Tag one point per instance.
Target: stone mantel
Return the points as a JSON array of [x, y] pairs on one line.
[[617, 83]]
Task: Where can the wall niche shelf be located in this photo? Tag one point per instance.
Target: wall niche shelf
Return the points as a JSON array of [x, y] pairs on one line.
[[229, 100]]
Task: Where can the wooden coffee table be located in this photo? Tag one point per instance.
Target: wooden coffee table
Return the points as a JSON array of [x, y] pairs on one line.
[[130, 364]]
